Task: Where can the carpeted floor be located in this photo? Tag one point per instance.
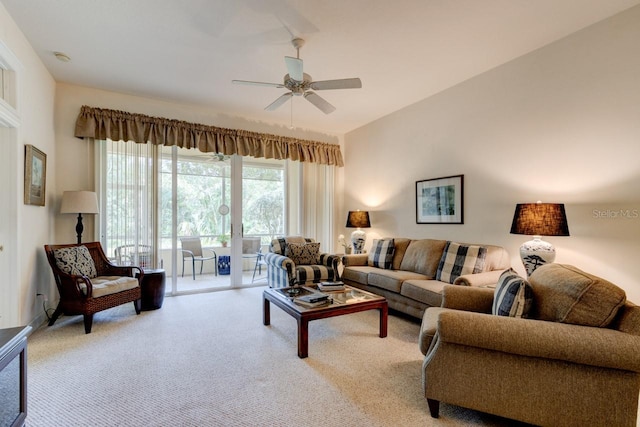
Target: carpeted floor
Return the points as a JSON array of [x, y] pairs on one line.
[[207, 360]]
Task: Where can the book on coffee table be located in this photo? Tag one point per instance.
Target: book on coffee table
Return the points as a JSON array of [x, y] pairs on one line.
[[331, 286]]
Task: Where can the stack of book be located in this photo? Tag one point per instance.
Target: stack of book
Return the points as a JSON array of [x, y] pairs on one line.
[[331, 286], [312, 300]]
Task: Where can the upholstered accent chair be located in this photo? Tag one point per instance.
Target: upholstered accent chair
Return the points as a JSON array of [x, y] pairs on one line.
[[298, 260], [88, 282], [572, 361]]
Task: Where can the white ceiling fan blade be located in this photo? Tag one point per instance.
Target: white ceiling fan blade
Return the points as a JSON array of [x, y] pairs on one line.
[[294, 66], [319, 102], [278, 102], [247, 82], [353, 83]]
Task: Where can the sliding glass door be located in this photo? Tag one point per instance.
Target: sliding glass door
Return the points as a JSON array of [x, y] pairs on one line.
[[206, 219]]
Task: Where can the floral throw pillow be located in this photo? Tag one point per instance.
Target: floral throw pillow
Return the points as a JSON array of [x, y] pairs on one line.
[[75, 260], [303, 253]]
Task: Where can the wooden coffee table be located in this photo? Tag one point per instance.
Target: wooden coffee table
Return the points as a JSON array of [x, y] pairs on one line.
[[351, 300]]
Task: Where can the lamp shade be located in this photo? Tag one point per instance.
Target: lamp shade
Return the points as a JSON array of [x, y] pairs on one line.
[[358, 219], [540, 219], [85, 202]]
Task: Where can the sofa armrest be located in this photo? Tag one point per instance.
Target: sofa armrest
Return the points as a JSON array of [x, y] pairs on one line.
[[354, 260], [585, 345], [479, 279], [467, 298]]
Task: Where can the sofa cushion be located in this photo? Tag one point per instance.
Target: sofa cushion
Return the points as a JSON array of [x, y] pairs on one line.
[[381, 254], [458, 259], [359, 274], [401, 244], [75, 260], [423, 256], [303, 253], [391, 280], [513, 295], [426, 291], [563, 293]]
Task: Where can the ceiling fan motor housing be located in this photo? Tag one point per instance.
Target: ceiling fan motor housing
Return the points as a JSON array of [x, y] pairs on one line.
[[298, 88]]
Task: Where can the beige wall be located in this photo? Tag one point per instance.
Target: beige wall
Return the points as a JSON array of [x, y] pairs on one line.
[[25, 228], [561, 124]]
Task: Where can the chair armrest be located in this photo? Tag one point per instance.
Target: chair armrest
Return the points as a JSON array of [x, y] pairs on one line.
[[467, 298], [279, 261], [585, 345], [188, 252], [354, 260], [479, 279], [122, 270], [329, 260]]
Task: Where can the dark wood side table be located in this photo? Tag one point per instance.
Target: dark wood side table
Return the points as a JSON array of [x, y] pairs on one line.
[[153, 286]]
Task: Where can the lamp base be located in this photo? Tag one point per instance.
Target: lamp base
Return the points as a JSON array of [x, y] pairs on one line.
[[535, 253], [358, 237]]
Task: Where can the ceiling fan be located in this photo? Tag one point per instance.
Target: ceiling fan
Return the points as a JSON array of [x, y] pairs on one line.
[[300, 84]]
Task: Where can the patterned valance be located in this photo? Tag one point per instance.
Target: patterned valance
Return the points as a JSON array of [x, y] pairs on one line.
[[116, 125]]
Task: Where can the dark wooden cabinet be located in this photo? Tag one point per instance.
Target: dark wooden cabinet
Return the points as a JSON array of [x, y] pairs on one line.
[[13, 376]]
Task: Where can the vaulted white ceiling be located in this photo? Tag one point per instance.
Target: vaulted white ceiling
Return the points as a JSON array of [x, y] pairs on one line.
[[188, 51]]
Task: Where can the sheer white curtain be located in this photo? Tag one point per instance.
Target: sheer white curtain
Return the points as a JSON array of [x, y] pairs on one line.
[[318, 193], [127, 180]]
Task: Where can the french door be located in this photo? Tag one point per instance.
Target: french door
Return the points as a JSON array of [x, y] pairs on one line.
[[233, 205]]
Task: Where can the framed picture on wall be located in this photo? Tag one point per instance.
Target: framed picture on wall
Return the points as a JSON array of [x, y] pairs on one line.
[[440, 200], [35, 175]]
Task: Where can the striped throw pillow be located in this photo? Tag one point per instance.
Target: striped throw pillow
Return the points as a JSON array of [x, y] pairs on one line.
[[513, 296], [381, 254], [458, 259]]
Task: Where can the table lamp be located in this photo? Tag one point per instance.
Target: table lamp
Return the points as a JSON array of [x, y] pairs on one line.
[[80, 202], [539, 219], [358, 219]]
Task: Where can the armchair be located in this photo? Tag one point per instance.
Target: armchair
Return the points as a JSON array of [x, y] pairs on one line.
[[89, 283], [572, 370], [298, 258]]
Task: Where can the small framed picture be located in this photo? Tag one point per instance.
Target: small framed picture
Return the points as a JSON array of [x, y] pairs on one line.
[[35, 175], [440, 200]]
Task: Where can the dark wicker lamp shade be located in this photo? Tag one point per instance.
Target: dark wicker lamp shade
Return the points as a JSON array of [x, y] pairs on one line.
[[540, 219], [358, 219]]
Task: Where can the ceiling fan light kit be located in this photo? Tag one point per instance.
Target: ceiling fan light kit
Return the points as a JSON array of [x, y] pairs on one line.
[[300, 83]]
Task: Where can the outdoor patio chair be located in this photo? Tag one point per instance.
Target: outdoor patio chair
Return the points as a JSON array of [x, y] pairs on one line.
[[192, 250]]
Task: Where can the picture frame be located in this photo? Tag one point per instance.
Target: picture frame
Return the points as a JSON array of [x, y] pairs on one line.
[[35, 176], [440, 200]]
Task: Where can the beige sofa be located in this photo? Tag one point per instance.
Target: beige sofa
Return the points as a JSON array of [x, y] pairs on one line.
[[410, 285], [574, 362]]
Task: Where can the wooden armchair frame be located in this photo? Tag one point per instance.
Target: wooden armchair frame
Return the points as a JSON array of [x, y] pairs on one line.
[[75, 300]]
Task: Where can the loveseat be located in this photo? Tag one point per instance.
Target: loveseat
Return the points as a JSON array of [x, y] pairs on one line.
[[411, 273], [572, 361]]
